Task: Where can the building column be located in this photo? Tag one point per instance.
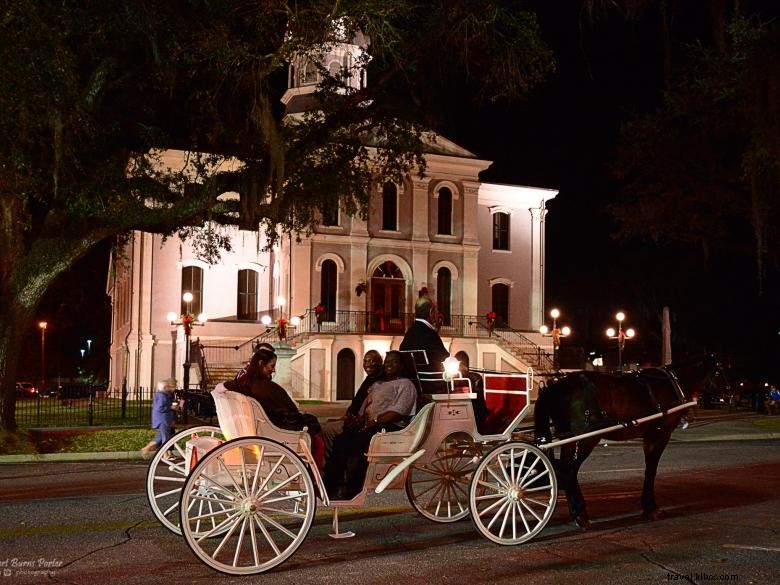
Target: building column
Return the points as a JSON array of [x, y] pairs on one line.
[[146, 360], [419, 201], [470, 280], [470, 213], [358, 264], [284, 355], [536, 298], [301, 277]]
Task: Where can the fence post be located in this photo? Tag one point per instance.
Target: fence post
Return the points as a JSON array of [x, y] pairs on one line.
[[90, 413], [124, 397], [38, 409]]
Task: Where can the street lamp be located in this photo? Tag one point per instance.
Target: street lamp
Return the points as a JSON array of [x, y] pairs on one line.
[[187, 320], [42, 325], [89, 346], [556, 333], [621, 336]]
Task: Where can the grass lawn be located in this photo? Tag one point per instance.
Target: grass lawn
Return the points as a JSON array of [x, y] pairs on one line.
[[769, 424]]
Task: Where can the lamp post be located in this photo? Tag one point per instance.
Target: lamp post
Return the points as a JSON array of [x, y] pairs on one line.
[[42, 326], [621, 336], [187, 320], [556, 333]]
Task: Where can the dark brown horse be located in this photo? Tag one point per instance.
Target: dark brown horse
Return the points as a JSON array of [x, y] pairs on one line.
[[582, 402]]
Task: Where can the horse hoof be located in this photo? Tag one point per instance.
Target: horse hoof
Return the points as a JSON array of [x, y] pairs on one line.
[[650, 516], [582, 521]]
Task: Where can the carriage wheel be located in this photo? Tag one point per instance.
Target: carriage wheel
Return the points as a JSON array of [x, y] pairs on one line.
[[439, 490], [167, 473], [513, 493], [268, 503]]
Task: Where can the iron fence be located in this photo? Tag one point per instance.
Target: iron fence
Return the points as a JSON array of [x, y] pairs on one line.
[[76, 406]]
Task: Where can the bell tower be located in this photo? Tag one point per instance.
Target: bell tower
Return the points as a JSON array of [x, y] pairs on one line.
[[347, 58]]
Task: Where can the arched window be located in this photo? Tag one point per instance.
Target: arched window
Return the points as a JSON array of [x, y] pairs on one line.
[[500, 231], [309, 74], [445, 212], [387, 269], [444, 294], [500, 303], [330, 214], [246, 305], [328, 289], [390, 207], [345, 375], [192, 282]]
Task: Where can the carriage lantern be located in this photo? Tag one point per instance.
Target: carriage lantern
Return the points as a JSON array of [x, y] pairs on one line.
[[621, 336], [556, 333], [451, 371], [187, 320]]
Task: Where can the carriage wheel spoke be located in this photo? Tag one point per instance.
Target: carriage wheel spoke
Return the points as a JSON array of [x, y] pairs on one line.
[[268, 538], [498, 513], [168, 493], [254, 542], [278, 487], [502, 467], [260, 456], [531, 510], [224, 524], [498, 502], [240, 542], [225, 538], [525, 523], [212, 499], [168, 478], [293, 496], [244, 477], [171, 508], [270, 475], [221, 462], [499, 481]]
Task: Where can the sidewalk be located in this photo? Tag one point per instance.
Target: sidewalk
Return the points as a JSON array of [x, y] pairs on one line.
[[711, 425]]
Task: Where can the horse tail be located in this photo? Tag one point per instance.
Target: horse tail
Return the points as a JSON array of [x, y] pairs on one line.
[[542, 430]]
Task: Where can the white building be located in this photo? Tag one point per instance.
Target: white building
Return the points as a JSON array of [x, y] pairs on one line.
[[477, 248]]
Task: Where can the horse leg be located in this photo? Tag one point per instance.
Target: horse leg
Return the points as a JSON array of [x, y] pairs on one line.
[[654, 443], [572, 457]]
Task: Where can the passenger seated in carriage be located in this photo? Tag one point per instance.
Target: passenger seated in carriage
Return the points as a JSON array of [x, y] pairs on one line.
[[255, 381], [374, 369], [390, 405], [477, 387]]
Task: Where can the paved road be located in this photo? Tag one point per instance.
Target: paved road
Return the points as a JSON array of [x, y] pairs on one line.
[[90, 523]]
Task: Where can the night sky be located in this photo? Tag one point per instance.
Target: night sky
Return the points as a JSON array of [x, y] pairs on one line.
[[563, 136]]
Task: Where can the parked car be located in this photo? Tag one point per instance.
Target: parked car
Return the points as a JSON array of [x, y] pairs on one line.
[[26, 390]]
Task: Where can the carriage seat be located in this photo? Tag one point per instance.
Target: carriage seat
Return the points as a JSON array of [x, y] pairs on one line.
[[401, 443], [242, 416]]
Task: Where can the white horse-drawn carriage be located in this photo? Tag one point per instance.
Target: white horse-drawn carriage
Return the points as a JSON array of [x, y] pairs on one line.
[[244, 494]]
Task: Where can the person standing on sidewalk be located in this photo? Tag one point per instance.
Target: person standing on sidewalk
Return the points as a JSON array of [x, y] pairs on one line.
[[163, 416]]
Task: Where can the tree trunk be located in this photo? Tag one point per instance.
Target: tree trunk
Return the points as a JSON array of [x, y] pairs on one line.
[[14, 324], [26, 275]]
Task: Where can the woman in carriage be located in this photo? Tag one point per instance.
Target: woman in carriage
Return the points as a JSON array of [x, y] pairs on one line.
[[255, 380]]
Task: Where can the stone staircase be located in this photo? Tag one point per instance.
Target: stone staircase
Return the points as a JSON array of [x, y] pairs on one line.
[[216, 373]]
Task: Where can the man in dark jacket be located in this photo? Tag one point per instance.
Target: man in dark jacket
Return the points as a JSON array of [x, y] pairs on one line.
[[423, 335], [373, 367]]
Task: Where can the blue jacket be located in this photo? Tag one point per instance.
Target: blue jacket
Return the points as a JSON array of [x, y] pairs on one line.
[[161, 409]]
